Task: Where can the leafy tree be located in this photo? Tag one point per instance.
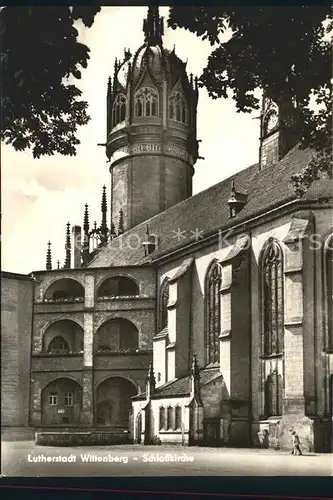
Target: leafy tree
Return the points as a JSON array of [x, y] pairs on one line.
[[282, 50], [39, 54]]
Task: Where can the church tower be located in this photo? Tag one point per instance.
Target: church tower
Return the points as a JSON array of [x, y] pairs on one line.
[[151, 129], [278, 130]]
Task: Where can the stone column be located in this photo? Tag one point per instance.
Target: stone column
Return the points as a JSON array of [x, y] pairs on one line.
[[235, 341], [87, 417], [298, 321]]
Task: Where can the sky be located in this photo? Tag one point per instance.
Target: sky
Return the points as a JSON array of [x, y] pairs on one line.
[[39, 196]]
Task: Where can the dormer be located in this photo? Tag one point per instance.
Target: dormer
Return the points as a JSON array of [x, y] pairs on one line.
[[236, 201]]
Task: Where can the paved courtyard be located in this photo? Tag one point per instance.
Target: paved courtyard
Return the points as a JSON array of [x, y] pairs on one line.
[[24, 458]]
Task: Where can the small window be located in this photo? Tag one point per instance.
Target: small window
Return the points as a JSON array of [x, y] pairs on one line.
[[53, 399], [169, 418], [163, 305], [162, 418], [159, 377], [178, 417], [69, 399]]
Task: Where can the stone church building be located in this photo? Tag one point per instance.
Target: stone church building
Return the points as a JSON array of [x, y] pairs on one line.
[[185, 319]]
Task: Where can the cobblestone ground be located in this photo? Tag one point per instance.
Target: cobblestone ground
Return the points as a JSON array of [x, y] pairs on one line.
[[25, 459]]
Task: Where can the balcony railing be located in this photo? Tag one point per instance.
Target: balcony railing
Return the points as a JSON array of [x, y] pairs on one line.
[[63, 300], [118, 297], [112, 352], [59, 354]]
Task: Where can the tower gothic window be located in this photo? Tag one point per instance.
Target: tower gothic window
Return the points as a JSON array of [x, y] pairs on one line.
[[328, 291], [177, 108], [163, 309], [272, 300], [212, 309], [146, 102], [119, 110]]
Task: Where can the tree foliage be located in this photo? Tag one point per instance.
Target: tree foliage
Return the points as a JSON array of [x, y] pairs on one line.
[[40, 52], [283, 51]]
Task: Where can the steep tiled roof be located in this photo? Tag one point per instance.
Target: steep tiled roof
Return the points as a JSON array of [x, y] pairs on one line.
[[208, 211], [181, 386]]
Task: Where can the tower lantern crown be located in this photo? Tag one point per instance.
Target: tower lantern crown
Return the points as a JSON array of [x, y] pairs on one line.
[[151, 129]]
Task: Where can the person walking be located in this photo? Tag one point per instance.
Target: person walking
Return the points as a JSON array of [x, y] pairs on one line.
[[296, 444]]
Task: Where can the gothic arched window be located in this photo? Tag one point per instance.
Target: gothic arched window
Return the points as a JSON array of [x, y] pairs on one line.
[[177, 108], [212, 310], [328, 291], [58, 345], [119, 109], [272, 300], [162, 418], [146, 102], [273, 395], [163, 305]]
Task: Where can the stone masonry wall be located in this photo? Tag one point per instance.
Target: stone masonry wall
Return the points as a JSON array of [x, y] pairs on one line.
[[16, 325]]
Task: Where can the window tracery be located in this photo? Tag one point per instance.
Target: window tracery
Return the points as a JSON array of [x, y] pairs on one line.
[[146, 102], [119, 109], [178, 110], [272, 300], [213, 312], [272, 313]]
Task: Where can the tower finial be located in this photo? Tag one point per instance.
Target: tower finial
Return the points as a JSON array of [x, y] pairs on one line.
[[86, 219], [121, 222], [104, 227], [48, 257], [68, 247], [153, 27]]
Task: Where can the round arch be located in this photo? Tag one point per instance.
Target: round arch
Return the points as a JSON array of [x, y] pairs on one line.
[[44, 383], [113, 402], [61, 402], [117, 335], [67, 331], [64, 290], [118, 286], [108, 377], [60, 318]]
